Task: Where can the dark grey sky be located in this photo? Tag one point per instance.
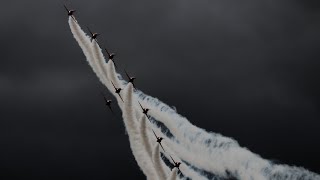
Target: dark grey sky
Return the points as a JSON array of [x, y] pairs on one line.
[[246, 69]]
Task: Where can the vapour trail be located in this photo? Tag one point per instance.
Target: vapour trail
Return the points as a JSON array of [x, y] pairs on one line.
[[96, 61], [100, 61], [212, 147], [85, 44], [173, 149], [173, 175], [95, 58], [93, 55], [144, 136], [115, 78], [158, 163], [215, 153], [112, 75], [156, 153], [160, 166], [146, 145], [135, 141], [157, 115], [186, 170]]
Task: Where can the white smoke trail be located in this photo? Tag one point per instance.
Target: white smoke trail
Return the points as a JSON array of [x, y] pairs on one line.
[[173, 175], [144, 135], [202, 149], [96, 60], [146, 145], [187, 171], [205, 162], [173, 148], [134, 137], [85, 44], [220, 156], [112, 75], [100, 61], [158, 163], [94, 56]]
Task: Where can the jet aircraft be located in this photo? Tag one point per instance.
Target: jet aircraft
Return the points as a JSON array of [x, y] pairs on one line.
[[117, 91], [159, 139], [176, 164], [131, 79], [144, 110], [108, 103], [94, 36], [111, 56], [70, 12]]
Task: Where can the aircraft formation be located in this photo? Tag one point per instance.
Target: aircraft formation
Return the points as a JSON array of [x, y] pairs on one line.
[[108, 102]]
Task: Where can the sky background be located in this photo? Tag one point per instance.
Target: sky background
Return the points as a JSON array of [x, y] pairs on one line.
[[247, 69]]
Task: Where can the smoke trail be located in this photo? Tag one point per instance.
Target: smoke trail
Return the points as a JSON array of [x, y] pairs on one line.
[[188, 171], [132, 129], [173, 175], [95, 59], [147, 147], [84, 43], [114, 77], [144, 135], [158, 163], [173, 148], [100, 61], [201, 148], [93, 54], [206, 152]]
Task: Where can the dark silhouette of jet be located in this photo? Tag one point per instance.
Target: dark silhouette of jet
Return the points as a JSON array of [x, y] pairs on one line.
[[144, 110], [130, 79], [117, 90], [175, 164], [111, 56], [159, 139], [70, 12], [93, 35], [108, 103]]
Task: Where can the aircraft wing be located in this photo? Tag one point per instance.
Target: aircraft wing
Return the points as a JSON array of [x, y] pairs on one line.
[[111, 109], [120, 97], [172, 159], [141, 106], [107, 51], [127, 74], [154, 134], [89, 31], [113, 85], [66, 8], [162, 147]]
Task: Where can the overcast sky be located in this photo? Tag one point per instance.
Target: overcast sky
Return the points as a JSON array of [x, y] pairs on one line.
[[246, 69]]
